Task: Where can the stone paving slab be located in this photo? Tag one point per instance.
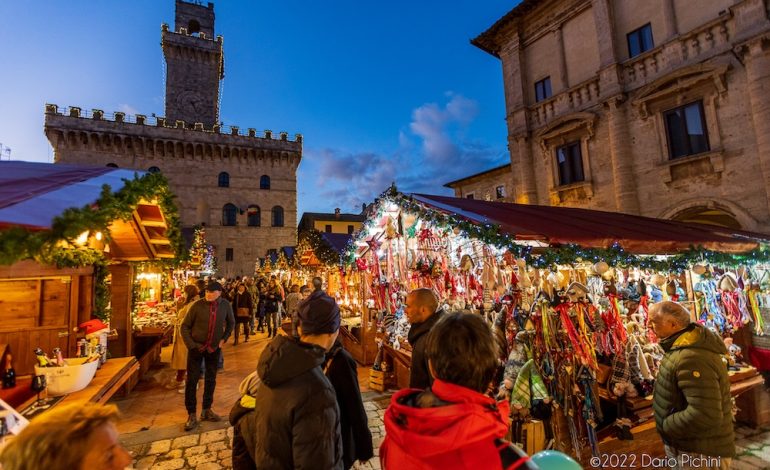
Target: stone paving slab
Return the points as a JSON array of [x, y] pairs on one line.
[[211, 448]]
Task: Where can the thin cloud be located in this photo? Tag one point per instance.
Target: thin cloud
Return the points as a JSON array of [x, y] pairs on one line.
[[432, 152], [128, 109]]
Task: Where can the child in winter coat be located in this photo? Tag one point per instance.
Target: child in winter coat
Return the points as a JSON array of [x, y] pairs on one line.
[[242, 420]]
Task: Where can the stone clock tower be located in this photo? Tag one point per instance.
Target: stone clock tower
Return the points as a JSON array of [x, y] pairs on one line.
[[194, 65], [240, 183]]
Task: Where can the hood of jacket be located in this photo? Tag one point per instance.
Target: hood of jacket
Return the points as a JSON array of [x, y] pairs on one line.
[[286, 358], [443, 419], [695, 336]]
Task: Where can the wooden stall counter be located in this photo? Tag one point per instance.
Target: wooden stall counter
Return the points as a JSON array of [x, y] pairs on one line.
[[646, 438], [114, 374], [107, 381], [399, 364]]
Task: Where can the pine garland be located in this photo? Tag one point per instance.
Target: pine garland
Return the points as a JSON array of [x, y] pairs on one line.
[[561, 255], [17, 243]]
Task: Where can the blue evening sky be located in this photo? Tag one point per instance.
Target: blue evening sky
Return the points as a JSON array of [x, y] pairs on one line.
[[381, 91]]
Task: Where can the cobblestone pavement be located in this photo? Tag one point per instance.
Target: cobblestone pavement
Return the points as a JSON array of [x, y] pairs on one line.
[[211, 449], [753, 449]]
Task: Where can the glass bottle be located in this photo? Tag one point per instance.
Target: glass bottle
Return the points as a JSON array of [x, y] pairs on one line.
[[9, 374]]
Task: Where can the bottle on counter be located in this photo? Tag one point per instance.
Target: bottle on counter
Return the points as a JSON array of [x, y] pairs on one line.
[[59, 357], [42, 359], [9, 374]]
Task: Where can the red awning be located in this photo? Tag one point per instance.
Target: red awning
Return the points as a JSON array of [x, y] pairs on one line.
[[594, 229]]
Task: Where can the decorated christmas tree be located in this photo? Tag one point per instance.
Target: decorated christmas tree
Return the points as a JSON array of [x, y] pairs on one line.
[[202, 256]]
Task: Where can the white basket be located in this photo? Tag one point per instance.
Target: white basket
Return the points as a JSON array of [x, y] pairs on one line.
[[68, 379]]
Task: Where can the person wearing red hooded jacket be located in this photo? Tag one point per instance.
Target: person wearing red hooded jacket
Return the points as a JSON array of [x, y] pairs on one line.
[[452, 424]]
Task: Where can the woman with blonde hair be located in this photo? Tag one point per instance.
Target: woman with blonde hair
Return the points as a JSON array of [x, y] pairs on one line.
[[73, 437], [179, 351]]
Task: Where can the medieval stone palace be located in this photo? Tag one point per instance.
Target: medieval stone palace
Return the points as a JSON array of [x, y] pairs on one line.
[[241, 185]]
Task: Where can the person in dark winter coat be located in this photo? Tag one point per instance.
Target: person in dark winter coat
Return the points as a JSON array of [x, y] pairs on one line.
[[296, 413], [422, 312], [691, 401], [205, 328], [244, 429], [354, 425], [243, 308], [452, 424]]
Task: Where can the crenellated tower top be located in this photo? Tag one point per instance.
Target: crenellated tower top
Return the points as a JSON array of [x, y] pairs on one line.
[[194, 65]]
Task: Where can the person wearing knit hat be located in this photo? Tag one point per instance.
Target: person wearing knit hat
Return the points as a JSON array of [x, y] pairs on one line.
[[319, 313], [296, 415]]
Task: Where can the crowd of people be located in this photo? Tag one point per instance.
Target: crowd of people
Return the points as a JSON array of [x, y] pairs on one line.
[[302, 407]]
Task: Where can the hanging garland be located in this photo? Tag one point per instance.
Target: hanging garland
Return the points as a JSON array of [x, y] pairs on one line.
[[17, 244], [567, 254]]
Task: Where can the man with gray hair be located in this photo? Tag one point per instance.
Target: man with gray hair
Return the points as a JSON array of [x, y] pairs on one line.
[[422, 312], [692, 405]]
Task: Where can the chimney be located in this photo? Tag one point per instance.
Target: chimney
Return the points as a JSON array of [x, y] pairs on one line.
[[337, 213]]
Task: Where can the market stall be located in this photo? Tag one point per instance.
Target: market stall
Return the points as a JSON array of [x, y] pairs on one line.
[[319, 255], [69, 238], [567, 292]]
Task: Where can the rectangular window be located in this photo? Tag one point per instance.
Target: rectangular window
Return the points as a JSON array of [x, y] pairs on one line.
[[351, 229], [686, 130], [500, 192], [543, 89], [328, 228], [640, 40], [569, 160], [469, 196], [228, 254]]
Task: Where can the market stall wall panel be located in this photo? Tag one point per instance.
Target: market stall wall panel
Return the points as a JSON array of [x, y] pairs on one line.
[[40, 306], [19, 303], [55, 302], [121, 290], [23, 343]]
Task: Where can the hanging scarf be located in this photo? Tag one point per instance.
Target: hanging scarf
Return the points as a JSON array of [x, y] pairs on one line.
[[529, 386], [759, 324]]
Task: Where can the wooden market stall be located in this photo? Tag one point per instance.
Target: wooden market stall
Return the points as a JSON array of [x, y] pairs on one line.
[[319, 255], [69, 235], [522, 267]]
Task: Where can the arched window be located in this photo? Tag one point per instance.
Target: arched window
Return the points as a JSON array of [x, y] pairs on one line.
[[112, 165], [264, 182], [277, 216], [153, 169], [229, 213], [254, 215], [224, 180]]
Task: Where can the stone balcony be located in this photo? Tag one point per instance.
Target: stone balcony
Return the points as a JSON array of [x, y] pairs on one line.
[[709, 40], [577, 98]]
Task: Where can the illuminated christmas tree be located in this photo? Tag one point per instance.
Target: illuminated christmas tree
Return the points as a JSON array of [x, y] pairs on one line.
[[202, 256]]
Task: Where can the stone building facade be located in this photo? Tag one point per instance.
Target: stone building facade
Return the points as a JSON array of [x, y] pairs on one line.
[[495, 184], [241, 185], [651, 107]]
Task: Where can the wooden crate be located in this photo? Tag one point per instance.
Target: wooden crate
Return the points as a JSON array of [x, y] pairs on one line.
[[533, 436], [377, 380]]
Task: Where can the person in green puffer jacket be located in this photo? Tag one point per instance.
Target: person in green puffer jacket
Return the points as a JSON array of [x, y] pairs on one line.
[[692, 405]]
